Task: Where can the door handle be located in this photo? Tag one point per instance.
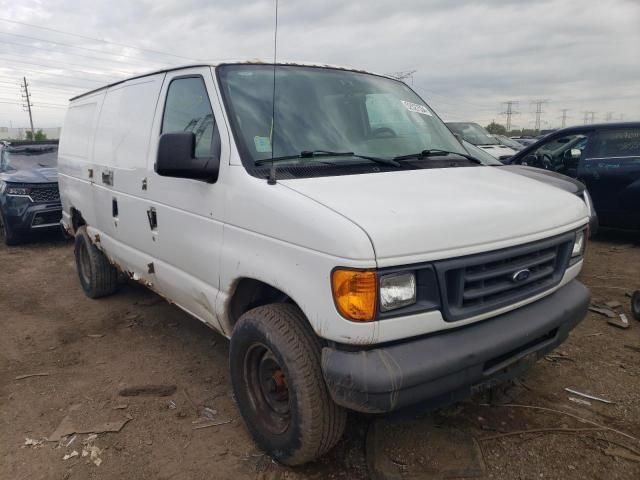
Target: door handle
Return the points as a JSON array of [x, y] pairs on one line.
[[153, 218]]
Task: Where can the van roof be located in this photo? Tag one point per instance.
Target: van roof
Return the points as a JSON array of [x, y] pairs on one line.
[[226, 62]]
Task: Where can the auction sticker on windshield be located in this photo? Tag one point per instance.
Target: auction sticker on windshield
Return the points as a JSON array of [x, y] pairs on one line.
[[415, 107]]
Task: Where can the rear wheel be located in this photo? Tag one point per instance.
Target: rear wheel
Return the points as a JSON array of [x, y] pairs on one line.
[[97, 276], [635, 304], [9, 236], [279, 387]]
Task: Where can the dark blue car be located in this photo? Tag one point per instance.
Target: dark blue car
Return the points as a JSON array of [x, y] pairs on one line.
[[29, 196]]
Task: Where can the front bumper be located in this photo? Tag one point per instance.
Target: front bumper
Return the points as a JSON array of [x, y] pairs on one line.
[[24, 216], [442, 368]]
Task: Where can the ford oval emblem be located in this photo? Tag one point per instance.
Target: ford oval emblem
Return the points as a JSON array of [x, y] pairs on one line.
[[521, 275]]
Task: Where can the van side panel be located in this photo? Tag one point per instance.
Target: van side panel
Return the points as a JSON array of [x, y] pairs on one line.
[[76, 172], [120, 155]]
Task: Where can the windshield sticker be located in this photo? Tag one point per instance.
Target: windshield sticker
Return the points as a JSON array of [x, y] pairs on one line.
[[263, 144], [416, 108]]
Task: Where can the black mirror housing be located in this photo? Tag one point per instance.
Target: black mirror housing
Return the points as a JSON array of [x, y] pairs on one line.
[[176, 158]]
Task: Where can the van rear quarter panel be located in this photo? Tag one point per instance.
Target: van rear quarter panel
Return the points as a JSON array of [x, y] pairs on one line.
[[76, 171]]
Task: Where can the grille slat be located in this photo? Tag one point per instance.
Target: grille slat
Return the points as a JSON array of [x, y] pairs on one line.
[[510, 267], [504, 285], [45, 194], [480, 283]]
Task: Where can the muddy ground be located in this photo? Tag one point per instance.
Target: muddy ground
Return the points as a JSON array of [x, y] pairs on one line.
[[91, 349]]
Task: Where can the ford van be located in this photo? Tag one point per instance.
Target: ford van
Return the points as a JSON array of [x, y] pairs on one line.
[[328, 223]]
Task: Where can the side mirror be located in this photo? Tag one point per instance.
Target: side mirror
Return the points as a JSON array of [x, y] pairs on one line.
[[529, 160], [176, 158], [573, 154]]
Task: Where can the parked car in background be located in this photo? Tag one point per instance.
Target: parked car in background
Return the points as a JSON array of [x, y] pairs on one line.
[[525, 141], [475, 134], [29, 198], [605, 157], [555, 179], [507, 142]]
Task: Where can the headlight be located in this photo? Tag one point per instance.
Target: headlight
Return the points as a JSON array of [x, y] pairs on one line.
[[578, 245], [17, 191], [397, 290]]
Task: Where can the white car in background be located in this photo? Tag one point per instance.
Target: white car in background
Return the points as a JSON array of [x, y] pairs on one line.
[[478, 136]]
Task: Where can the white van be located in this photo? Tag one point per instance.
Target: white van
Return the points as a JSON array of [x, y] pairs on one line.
[[352, 251]]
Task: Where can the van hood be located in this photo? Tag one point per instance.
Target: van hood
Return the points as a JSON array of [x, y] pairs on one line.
[[420, 215], [564, 182]]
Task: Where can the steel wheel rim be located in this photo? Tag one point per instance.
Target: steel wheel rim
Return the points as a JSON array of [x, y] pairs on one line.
[[268, 389], [84, 264]]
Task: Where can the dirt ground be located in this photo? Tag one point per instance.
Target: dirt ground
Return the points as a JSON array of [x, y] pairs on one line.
[[91, 349]]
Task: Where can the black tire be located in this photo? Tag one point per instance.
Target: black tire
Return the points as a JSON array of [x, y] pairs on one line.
[[10, 237], [635, 304], [97, 276], [296, 421]]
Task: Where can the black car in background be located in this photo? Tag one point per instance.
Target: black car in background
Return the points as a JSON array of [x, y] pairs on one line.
[[605, 157], [29, 197], [555, 179]]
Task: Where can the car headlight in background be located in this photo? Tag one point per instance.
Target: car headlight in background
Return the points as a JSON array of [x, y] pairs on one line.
[[397, 290], [17, 191], [579, 245]]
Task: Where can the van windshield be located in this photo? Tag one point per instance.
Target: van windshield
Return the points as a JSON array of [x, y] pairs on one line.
[[329, 110]]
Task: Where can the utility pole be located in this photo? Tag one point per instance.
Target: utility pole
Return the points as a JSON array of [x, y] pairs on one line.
[[26, 96], [539, 112], [609, 117], [509, 112], [564, 117], [593, 117]]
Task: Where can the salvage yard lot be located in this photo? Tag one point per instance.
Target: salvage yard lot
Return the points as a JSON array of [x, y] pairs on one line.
[[91, 350]]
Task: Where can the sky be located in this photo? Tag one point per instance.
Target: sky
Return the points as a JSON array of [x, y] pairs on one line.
[[469, 56]]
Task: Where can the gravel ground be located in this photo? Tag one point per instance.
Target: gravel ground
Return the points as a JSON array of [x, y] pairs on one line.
[[91, 349]]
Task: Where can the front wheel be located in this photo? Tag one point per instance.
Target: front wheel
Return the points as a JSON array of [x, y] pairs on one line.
[[9, 235], [279, 387]]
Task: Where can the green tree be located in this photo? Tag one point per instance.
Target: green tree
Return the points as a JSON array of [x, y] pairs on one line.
[[40, 135], [496, 128]]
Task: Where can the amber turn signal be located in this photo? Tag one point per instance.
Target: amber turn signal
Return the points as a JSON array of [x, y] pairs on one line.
[[355, 293]]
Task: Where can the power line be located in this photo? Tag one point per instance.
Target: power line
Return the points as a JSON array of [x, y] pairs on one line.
[[539, 112], [92, 57], [402, 75], [41, 72], [109, 78], [69, 45], [120, 72], [99, 40], [509, 112], [564, 117]]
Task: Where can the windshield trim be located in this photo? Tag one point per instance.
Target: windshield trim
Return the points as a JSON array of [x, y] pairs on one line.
[[245, 157]]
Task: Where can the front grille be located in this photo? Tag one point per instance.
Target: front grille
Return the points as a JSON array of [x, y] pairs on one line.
[[480, 283], [47, 193]]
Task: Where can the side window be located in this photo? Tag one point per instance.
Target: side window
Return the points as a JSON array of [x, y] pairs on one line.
[[188, 109], [560, 154], [621, 145]]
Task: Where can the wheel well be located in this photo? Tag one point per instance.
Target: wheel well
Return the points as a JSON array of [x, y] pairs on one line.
[[250, 293], [76, 219]]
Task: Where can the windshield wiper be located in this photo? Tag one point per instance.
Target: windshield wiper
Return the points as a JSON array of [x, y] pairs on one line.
[[436, 152], [327, 153]]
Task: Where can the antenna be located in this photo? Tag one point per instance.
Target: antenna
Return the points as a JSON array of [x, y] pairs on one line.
[[272, 170]]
